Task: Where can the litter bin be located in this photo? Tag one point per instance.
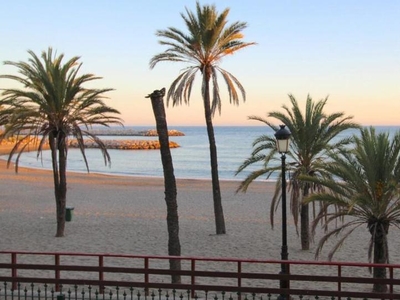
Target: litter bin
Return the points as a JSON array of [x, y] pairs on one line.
[[68, 213], [61, 297]]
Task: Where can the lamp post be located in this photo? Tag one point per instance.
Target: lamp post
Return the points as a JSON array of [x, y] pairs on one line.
[[282, 143]]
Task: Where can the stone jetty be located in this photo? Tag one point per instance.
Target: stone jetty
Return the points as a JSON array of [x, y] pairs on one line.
[[125, 144], [132, 132], [119, 144], [128, 144]]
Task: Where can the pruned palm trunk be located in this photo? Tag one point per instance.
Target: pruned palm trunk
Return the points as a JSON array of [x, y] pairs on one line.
[[305, 227], [380, 257], [218, 211], [305, 223], [58, 146], [174, 246]]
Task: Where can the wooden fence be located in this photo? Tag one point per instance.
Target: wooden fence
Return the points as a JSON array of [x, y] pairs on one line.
[[199, 276]]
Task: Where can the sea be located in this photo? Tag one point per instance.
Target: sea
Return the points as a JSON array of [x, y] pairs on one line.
[[191, 160]]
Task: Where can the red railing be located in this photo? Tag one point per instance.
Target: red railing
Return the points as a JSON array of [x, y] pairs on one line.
[[198, 274]]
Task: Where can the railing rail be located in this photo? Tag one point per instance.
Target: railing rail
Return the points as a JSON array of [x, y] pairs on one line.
[[241, 276]]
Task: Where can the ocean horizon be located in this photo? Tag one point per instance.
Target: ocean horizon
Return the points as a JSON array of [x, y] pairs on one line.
[[191, 160]]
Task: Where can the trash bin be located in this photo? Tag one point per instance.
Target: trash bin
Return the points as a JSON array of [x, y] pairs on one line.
[[61, 297], [68, 213]]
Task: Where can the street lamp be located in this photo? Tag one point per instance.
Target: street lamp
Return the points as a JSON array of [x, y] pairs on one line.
[[282, 143]]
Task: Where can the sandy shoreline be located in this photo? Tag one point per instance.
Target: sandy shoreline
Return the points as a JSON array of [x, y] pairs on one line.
[[127, 215]]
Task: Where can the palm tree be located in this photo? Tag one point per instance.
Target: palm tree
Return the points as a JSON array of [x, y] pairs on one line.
[[313, 134], [364, 188], [208, 41], [52, 106]]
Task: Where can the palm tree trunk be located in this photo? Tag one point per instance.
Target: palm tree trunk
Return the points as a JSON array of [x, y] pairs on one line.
[[218, 211], [305, 223], [174, 246], [380, 256], [60, 182]]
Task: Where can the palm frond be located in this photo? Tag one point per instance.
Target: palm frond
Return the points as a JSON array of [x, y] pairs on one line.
[[314, 134], [208, 39], [53, 103]]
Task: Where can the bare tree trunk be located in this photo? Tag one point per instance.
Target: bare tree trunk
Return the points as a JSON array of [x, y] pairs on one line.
[[218, 210], [174, 247]]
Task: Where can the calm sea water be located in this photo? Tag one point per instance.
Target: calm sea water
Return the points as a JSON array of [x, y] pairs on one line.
[[190, 160]]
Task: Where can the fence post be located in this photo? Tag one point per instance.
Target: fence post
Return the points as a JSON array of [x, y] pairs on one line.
[[192, 277], [239, 278], [146, 275], [101, 273], [391, 279], [57, 271], [339, 280], [14, 272]]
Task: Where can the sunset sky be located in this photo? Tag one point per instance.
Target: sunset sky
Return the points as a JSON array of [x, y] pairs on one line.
[[348, 50]]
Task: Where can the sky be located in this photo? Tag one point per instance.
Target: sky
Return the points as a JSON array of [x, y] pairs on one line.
[[346, 50]]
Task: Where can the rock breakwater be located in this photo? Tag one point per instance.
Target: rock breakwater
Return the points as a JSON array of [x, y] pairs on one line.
[[132, 132], [110, 144], [125, 144]]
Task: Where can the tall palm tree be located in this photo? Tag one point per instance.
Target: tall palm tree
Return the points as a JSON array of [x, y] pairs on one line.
[[208, 41], [313, 134], [364, 188], [52, 106]]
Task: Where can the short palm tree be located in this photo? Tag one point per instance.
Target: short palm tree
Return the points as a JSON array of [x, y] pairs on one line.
[[364, 188], [208, 41], [314, 133], [52, 106]]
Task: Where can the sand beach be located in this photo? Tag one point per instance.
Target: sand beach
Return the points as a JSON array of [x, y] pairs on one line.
[[127, 215], [118, 214]]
